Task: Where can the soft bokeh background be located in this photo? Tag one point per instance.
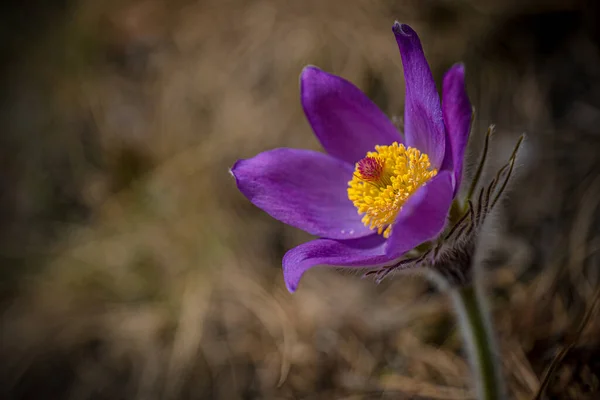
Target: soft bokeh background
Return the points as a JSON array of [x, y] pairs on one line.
[[133, 269]]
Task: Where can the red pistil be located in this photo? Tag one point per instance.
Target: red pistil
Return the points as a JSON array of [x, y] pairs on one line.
[[371, 168]]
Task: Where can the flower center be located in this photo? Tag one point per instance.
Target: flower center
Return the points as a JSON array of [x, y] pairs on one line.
[[384, 180]]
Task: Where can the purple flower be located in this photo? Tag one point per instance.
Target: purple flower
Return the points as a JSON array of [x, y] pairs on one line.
[[375, 195]]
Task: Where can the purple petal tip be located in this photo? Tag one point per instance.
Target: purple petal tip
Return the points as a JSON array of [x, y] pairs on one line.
[[233, 168], [310, 70], [233, 171], [459, 67], [291, 287], [402, 29]]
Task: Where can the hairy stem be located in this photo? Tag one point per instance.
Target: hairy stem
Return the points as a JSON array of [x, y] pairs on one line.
[[480, 343]]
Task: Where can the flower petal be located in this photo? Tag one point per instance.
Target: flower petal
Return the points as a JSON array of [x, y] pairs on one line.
[[363, 252], [457, 112], [345, 121], [302, 188], [423, 123], [423, 216]]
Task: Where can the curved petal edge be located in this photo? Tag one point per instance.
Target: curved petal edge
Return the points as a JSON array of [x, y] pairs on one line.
[[346, 122], [423, 217], [423, 122], [457, 111], [368, 251], [302, 188]]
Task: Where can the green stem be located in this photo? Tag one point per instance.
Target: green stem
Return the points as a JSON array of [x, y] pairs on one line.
[[477, 334]]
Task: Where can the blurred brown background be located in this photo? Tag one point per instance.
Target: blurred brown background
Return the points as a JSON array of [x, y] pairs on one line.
[[133, 269]]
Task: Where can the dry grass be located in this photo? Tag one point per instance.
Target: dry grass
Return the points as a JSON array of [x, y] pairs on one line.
[[170, 285]]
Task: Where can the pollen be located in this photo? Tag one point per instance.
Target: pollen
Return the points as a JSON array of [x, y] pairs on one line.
[[384, 180]]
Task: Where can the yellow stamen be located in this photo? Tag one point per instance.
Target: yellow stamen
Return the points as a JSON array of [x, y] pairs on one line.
[[384, 180]]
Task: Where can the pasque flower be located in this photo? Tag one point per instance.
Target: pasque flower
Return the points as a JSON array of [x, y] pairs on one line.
[[375, 194]]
